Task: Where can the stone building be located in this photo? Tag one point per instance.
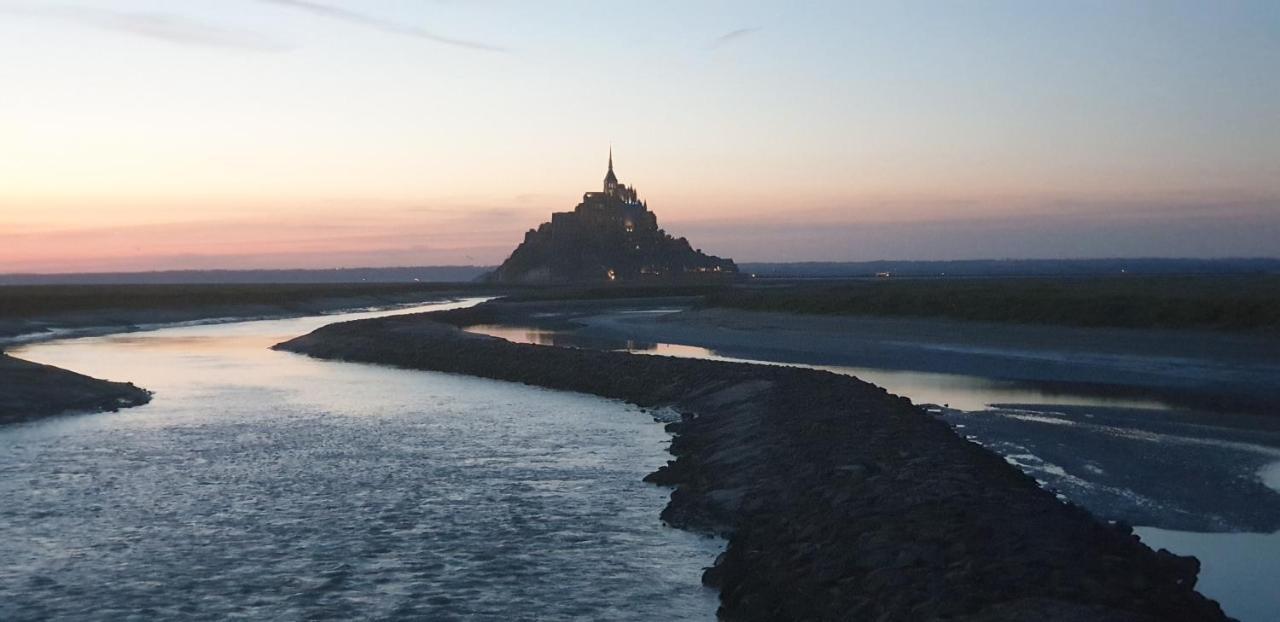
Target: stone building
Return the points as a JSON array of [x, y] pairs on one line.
[[610, 236]]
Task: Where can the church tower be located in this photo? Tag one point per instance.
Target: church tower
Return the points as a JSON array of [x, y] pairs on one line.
[[610, 180]]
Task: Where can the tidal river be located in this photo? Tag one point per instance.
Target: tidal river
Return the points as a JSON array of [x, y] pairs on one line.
[[266, 485]]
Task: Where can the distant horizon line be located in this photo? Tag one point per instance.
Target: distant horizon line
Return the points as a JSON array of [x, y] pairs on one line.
[[477, 266]]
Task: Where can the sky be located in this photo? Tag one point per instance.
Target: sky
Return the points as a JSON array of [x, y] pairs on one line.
[[189, 134]]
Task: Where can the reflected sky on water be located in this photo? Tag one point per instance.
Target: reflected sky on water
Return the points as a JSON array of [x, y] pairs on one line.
[[268, 485]]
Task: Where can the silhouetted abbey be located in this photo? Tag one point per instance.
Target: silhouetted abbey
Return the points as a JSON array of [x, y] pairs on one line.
[[610, 236]]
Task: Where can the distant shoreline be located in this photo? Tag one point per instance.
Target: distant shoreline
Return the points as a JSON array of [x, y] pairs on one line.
[[34, 312], [460, 274], [1230, 302], [33, 391]]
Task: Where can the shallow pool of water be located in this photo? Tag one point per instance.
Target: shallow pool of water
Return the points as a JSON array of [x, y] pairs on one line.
[[952, 390], [267, 485], [1240, 570]]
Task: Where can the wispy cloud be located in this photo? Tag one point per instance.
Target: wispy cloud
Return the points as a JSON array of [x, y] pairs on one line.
[[325, 10], [731, 36], [161, 26]]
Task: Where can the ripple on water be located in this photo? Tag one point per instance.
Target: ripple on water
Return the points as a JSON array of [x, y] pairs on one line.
[[278, 487]]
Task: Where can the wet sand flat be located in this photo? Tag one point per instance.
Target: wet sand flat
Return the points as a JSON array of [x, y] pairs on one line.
[[1237, 371]]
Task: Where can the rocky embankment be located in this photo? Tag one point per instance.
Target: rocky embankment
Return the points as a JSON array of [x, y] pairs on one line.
[[839, 500], [31, 391]]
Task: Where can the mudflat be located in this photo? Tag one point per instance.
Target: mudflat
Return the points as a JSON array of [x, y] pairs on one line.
[[1216, 370]]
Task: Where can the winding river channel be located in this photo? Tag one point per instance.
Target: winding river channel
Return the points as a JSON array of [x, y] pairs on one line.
[[266, 485]]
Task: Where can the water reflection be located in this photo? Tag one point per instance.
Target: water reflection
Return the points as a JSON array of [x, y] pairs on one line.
[[950, 390], [267, 485]]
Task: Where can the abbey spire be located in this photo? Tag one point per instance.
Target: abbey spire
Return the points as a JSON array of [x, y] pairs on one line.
[[610, 180]]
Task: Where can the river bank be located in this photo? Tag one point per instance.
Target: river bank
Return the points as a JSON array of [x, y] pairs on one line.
[[840, 500], [38, 313], [1209, 370], [270, 486], [1197, 480], [53, 311], [31, 391]]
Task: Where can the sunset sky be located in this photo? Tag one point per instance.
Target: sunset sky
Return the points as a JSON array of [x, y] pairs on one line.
[[140, 135]]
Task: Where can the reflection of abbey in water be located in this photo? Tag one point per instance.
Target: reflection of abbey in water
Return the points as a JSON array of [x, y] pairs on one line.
[[610, 236]]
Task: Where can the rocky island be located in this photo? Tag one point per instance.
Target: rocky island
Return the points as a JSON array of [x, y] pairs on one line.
[[840, 501], [610, 236]]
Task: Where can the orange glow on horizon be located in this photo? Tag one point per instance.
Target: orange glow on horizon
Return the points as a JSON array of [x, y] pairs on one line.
[[834, 131]]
